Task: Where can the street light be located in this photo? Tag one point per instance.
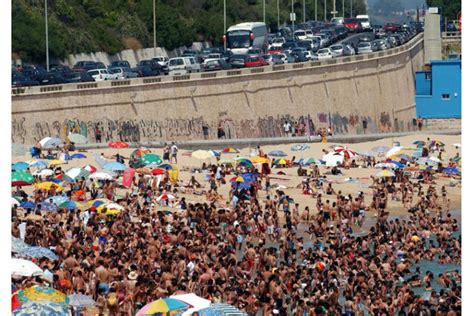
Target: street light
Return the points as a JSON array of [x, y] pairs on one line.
[[325, 17], [154, 28], [315, 10], [304, 11], [293, 18], [225, 29], [351, 8], [263, 11], [46, 30], [278, 13], [343, 11]]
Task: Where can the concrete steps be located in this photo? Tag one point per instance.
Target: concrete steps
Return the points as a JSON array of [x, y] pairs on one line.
[[442, 124]]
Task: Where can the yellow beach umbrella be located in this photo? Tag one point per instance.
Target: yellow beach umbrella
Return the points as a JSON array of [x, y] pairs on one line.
[[47, 186], [385, 173], [56, 162], [259, 159]]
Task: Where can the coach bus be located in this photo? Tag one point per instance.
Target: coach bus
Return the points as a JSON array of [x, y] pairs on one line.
[[244, 36]]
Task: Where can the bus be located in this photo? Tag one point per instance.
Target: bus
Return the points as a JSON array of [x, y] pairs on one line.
[[244, 36]]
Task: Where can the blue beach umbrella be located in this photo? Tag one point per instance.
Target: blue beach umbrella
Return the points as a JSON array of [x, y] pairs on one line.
[[40, 164], [114, 166], [451, 171], [27, 204], [19, 166], [78, 156], [277, 153]]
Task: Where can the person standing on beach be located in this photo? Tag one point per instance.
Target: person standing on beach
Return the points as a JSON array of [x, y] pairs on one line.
[[287, 128], [174, 153], [166, 153]]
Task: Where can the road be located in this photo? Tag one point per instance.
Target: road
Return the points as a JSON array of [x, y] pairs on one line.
[[354, 38]]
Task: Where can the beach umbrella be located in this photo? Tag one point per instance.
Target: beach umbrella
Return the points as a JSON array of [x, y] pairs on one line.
[[436, 142], [20, 178], [42, 295], [143, 170], [366, 153], [20, 166], [386, 165], [415, 238], [47, 186], [77, 173], [151, 159], [419, 143], [71, 205], [258, 159], [393, 151], [249, 177], [201, 154], [38, 309], [57, 162], [58, 199], [227, 161], [109, 209], [277, 153], [98, 202], [114, 166], [80, 300], [434, 159], [417, 153], [332, 159], [19, 245], [451, 171], [237, 179], [221, 310], [139, 152], [90, 168], [311, 161], [46, 206], [384, 174], [118, 145], [78, 156], [344, 150], [162, 306], [299, 147], [50, 142], [158, 171], [280, 162], [101, 176], [27, 204], [43, 173], [404, 157], [39, 252], [166, 197], [425, 161], [380, 149], [19, 149], [244, 162], [40, 164], [24, 268], [457, 145], [77, 138], [230, 150], [14, 202], [193, 300]]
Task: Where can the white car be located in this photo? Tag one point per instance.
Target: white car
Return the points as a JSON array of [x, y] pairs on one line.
[[278, 42], [337, 50], [183, 65], [161, 60], [364, 48], [324, 53], [310, 55], [299, 35], [283, 57], [102, 75]]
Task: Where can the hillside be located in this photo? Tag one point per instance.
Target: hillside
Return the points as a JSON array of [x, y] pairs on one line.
[[84, 26]]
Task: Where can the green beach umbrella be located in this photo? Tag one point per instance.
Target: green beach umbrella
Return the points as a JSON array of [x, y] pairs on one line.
[[21, 178]]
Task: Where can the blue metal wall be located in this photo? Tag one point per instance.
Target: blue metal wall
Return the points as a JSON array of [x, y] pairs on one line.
[[439, 97]]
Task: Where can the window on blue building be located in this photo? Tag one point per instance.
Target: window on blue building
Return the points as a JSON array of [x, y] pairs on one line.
[[445, 96], [428, 76]]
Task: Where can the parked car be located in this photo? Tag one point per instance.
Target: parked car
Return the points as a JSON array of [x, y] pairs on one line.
[[348, 50], [101, 74], [60, 69], [19, 80], [33, 72], [99, 65], [237, 60], [273, 59], [53, 78], [337, 50], [163, 62], [84, 65], [215, 65], [145, 71], [254, 52], [382, 44], [123, 72], [310, 55], [299, 56], [183, 65], [353, 25], [120, 63], [364, 48], [192, 53], [324, 53], [277, 42], [76, 77], [392, 27], [152, 64], [255, 61]]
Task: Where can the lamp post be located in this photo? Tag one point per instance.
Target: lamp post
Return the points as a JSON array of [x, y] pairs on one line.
[[325, 5], [263, 11], [343, 9], [333, 8], [278, 13], [351, 9], [293, 18], [315, 10], [154, 28], [46, 30], [225, 28], [304, 11]]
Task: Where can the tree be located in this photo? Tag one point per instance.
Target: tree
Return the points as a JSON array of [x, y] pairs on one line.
[[449, 8]]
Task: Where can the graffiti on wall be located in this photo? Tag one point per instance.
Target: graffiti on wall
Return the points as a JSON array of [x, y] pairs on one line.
[[136, 130]]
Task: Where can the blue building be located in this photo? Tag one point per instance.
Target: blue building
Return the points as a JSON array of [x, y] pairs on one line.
[[438, 91]]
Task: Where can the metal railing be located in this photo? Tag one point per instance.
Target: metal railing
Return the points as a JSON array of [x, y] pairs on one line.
[[19, 91]]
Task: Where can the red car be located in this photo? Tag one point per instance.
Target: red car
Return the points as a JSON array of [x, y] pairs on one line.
[[392, 27], [352, 25], [257, 61], [275, 50]]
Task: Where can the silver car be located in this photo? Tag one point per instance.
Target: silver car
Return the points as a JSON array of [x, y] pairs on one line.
[[324, 53], [364, 48], [348, 50], [337, 50], [123, 72], [383, 44]]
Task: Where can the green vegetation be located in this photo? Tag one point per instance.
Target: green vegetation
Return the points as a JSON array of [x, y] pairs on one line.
[[449, 8], [84, 26]]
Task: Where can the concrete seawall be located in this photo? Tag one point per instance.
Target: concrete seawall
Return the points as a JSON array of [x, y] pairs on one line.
[[255, 103]]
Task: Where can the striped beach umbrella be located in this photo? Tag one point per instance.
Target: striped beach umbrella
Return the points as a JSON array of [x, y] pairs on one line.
[[162, 306], [20, 178], [118, 145]]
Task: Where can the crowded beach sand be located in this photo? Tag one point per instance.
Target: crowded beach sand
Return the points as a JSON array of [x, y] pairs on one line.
[[302, 240]]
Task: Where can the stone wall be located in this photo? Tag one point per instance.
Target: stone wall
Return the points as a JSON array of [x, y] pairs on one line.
[[380, 91]]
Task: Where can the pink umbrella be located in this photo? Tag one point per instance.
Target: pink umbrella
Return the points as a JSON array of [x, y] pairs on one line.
[[166, 197], [348, 153]]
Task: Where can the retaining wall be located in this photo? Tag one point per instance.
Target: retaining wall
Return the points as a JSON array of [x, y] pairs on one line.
[[377, 88]]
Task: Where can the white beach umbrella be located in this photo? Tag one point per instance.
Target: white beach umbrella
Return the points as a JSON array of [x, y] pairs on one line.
[[26, 268]]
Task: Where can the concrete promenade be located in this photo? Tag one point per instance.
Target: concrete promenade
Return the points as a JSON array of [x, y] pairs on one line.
[[253, 142]]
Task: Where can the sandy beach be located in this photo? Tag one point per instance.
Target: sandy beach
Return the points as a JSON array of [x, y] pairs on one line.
[[360, 176]]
